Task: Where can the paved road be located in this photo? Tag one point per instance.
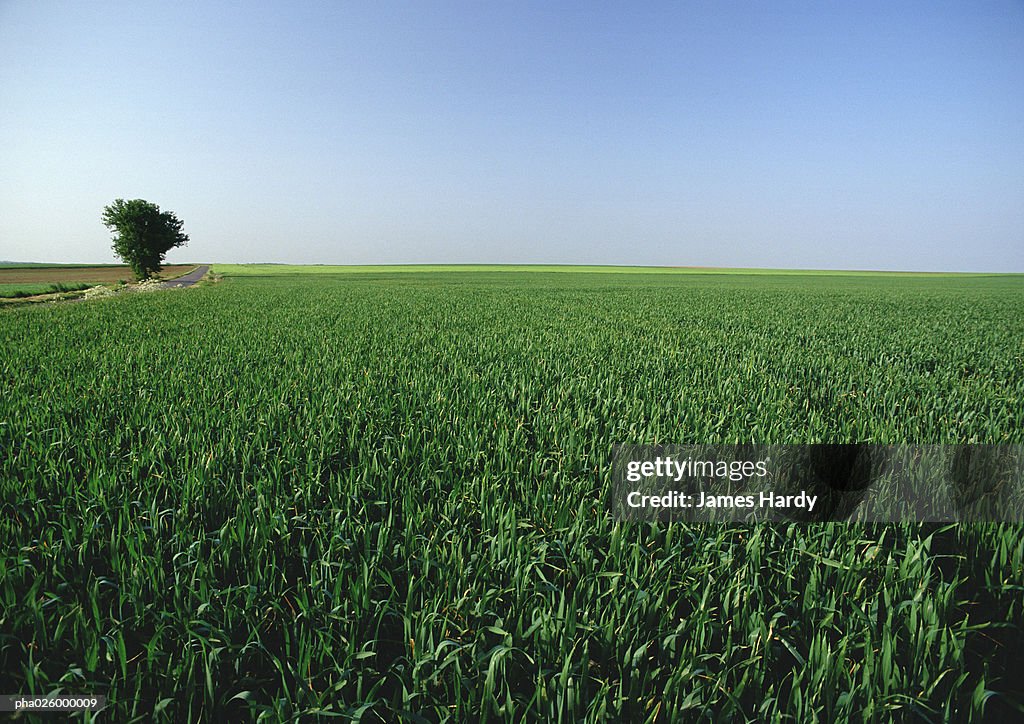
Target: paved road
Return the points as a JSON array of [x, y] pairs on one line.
[[189, 279]]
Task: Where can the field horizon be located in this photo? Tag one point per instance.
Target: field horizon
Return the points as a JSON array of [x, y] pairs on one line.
[[284, 268], [250, 268]]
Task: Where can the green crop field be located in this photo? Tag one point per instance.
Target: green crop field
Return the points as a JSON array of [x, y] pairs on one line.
[[384, 494]]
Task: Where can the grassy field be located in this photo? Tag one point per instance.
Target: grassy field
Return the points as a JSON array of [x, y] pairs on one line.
[[380, 493], [26, 279], [28, 290]]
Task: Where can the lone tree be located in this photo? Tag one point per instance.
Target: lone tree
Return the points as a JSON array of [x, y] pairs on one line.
[[143, 234]]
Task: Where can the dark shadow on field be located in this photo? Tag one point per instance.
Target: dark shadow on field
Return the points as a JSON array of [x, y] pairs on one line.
[[983, 479], [992, 653], [838, 474], [998, 649], [925, 483]]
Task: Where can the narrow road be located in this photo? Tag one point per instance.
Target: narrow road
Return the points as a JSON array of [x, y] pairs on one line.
[[189, 279]]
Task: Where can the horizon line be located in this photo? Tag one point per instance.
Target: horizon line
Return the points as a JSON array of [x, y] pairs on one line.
[[667, 268]]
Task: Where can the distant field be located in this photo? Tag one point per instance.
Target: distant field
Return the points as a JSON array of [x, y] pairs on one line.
[[8, 291], [46, 265], [281, 269], [21, 279]]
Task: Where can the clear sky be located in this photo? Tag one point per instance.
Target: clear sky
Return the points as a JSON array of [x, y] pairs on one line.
[[870, 135]]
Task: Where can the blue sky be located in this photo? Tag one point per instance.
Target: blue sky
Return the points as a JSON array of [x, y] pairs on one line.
[[871, 135]]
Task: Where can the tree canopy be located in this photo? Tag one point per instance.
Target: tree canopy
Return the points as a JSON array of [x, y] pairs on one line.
[[143, 234]]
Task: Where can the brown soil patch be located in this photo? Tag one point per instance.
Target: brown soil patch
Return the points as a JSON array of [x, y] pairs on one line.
[[82, 274]]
